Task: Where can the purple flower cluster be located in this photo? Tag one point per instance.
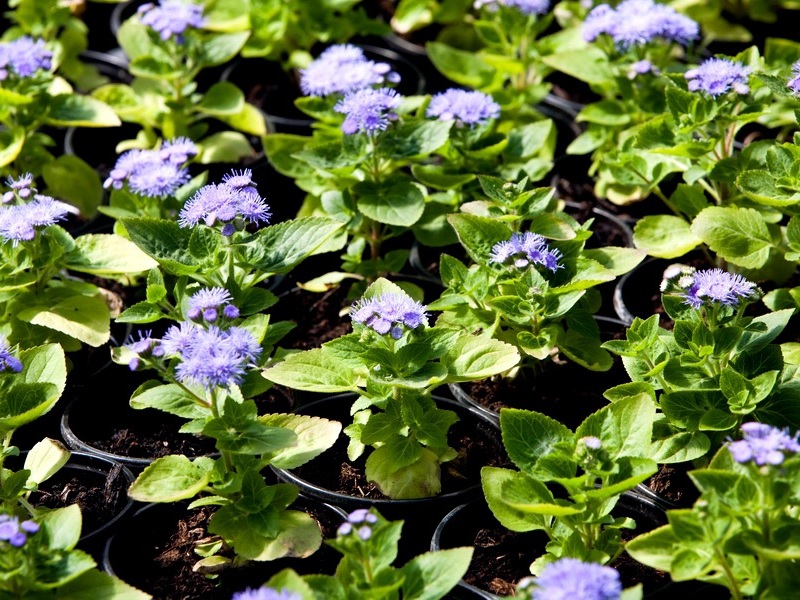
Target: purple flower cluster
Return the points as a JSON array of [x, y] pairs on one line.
[[19, 222], [171, 18], [14, 532], [265, 593], [464, 107], [794, 83], [528, 7], [24, 57], [642, 67], [206, 304], [637, 22], [153, 173], [341, 69], [210, 357], [525, 249], [359, 521], [389, 313], [231, 202], [716, 286], [717, 76], [763, 444], [572, 579], [8, 362], [368, 110]]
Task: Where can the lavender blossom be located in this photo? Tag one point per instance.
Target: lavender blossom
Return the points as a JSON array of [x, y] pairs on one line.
[[572, 579], [526, 249], [19, 223], [240, 180], [794, 83], [717, 76], [341, 69], [389, 313], [368, 110], [178, 151], [8, 362], [527, 7], [230, 203], [14, 532], [159, 180], [24, 58], [763, 444], [265, 593], [153, 173], [464, 107], [642, 67], [638, 22], [207, 302], [171, 18], [362, 518], [716, 286]]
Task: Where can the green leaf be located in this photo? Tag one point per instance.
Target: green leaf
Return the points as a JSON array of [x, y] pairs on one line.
[[313, 371], [171, 478], [314, 436], [96, 584], [69, 178], [528, 436], [617, 260], [224, 147], [431, 575], [107, 254], [84, 318], [279, 248], [23, 403], [664, 236], [472, 358], [415, 138], [141, 312], [625, 427], [222, 98], [739, 235], [45, 459], [170, 398], [11, 142], [495, 481], [220, 48], [478, 234], [590, 65], [165, 241], [464, 67], [396, 201], [73, 110], [403, 469]]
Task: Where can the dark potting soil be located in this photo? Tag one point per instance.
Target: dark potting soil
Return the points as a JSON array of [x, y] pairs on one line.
[[673, 483], [161, 562], [318, 316]]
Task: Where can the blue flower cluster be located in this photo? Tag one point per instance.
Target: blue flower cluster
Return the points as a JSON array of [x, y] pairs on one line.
[[359, 521], [389, 313], [210, 357], [344, 68], [368, 110], [525, 249], [23, 58], [464, 107], [19, 222], [265, 593], [527, 7], [717, 76], [715, 286], [8, 362], [153, 173], [572, 579], [206, 304], [171, 18], [637, 22], [232, 203], [763, 444], [14, 532], [794, 83]]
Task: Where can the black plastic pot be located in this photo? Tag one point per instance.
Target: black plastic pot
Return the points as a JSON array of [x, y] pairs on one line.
[[129, 553]]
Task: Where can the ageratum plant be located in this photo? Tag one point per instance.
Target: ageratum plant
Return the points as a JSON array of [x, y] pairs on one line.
[[715, 369], [531, 282], [368, 544], [169, 45], [608, 454], [742, 531], [393, 361], [573, 578], [40, 301], [204, 363]]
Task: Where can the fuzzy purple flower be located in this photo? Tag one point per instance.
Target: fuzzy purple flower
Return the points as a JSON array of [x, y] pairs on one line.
[[14, 532], [8, 362], [572, 579], [171, 18], [240, 180], [528, 7], [207, 303], [717, 76], [389, 313], [638, 22], [341, 69], [178, 151], [153, 173], [716, 286], [231, 203], [794, 83], [19, 222], [642, 67], [359, 521], [464, 107], [763, 444], [21, 187], [524, 249], [24, 57], [265, 593], [368, 110]]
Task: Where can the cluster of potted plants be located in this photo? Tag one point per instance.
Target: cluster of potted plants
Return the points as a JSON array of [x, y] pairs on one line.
[[425, 299]]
